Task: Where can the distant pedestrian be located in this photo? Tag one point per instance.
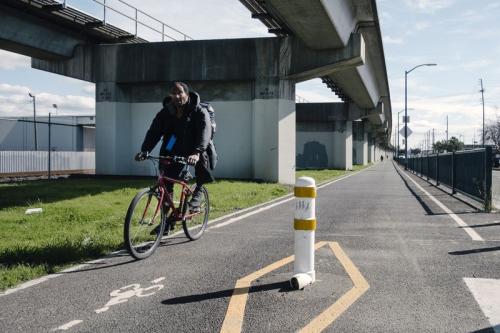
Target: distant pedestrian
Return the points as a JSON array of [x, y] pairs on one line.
[[381, 158]]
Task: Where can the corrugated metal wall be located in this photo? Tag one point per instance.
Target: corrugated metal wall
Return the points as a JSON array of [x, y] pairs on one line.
[[35, 161]]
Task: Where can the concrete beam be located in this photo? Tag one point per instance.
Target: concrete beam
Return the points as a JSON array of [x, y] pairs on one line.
[[321, 112], [308, 63], [325, 24], [26, 34]]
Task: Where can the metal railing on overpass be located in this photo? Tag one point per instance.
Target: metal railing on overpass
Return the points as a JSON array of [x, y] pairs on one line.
[[67, 10], [468, 172]]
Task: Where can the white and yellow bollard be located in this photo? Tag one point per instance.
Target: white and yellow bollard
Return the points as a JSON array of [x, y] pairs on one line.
[[305, 226]]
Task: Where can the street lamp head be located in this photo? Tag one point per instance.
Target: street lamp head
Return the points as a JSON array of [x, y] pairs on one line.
[[29, 93]]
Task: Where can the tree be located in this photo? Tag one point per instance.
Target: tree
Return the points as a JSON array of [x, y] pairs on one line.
[[453, 144], [492, 132]]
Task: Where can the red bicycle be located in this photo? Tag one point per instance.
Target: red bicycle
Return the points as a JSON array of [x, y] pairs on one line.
[[153, 212]]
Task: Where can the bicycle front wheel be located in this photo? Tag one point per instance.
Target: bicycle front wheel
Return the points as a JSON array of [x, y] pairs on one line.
[[144, 224], [195, 222]]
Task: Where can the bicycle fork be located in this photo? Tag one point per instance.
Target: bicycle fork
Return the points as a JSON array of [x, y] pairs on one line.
[[157, 209]]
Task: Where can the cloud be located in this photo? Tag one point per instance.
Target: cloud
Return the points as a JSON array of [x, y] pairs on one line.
[[422, 25], [392, 40], [210, 20], [477, 64], [89, 89], [15, 102], [315, 91], [429, 5], [464, 116], [12, 61]]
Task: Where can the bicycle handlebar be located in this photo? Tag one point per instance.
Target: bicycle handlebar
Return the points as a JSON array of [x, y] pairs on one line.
[[175, 159]]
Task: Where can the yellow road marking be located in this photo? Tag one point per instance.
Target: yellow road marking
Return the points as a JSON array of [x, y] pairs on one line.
[[236, 309], [233, 322], [334, 311]]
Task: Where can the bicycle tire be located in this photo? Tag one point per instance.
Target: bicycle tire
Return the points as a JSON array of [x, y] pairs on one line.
[[195, 226], [142, 233]]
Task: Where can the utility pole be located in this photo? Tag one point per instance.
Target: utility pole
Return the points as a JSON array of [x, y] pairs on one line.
[[482, 100], [433, 139], [34, 119], [446, 128]]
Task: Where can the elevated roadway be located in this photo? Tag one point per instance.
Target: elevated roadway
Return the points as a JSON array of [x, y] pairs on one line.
[[251, 82]]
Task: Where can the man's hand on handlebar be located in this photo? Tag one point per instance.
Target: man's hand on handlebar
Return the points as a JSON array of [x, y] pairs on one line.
[[193, 159], [141, 156]]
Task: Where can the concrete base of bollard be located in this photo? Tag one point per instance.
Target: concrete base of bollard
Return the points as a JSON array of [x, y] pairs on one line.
[[301, 280]]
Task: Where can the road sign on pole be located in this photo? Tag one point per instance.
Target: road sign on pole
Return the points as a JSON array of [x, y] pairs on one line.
[[402, 131]]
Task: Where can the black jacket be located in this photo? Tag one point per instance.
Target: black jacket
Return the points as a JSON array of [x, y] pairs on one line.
[[192, 131]]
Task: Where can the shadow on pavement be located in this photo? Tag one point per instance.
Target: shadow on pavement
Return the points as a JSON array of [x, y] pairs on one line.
[[282, 286], [488, 330], [483, 225], [426, 207], [484, 249]]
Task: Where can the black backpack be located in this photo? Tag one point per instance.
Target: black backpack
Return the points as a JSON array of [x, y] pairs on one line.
[[211, 113], [212, 153]]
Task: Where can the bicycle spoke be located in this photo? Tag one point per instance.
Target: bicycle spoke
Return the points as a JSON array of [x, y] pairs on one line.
[[143, 224]]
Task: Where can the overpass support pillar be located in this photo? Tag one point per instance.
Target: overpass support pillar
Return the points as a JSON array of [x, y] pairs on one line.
[[273, 131], [371, 150], [360, 144], [342, 145]]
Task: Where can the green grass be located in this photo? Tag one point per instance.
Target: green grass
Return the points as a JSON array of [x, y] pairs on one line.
[[323, 175], [83, 218]]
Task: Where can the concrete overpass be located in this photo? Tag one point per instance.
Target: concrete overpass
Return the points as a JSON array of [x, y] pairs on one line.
[[251, 82]]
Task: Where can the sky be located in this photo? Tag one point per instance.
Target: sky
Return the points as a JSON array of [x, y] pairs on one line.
[[460, 36]]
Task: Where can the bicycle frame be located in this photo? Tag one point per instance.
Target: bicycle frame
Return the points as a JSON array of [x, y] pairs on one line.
[[177, 213]]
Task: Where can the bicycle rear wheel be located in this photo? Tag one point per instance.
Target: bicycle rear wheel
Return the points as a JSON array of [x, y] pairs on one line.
[[144, 225], [194, 224]]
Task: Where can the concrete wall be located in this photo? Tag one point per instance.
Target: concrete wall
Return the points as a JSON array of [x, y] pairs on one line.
[[315, 149]]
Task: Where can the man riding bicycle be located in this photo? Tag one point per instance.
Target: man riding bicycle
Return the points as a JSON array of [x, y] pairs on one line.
[[186, 130]]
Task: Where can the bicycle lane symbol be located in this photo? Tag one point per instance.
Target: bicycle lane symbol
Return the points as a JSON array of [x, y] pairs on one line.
[[119, 296], [123, 294]]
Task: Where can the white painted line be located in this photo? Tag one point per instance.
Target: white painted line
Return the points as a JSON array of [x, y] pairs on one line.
[[158, 280], [487, 295], [28, 284], [68, 325], [471, 232], [241, 217], [47, 277]]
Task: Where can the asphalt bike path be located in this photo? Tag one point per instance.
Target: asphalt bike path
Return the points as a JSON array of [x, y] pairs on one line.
[[389, 259]]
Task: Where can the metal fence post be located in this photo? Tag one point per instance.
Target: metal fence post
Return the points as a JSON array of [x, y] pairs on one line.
[[453, 173], [487, 178], [437, 169], [427, 173], [49, 166]]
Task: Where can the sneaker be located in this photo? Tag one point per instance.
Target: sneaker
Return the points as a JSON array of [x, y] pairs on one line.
[[157, 229], [194, 203]]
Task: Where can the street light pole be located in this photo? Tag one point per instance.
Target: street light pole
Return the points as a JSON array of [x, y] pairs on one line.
[[406, 110], [398, 128], [34, 118]]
